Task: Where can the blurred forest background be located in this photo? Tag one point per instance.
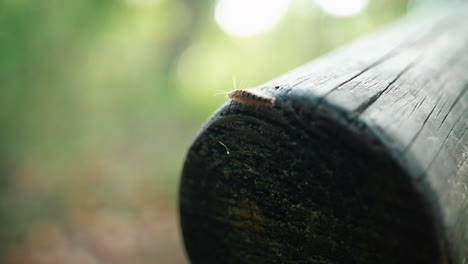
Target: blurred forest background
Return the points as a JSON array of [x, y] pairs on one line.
[[99, 101]]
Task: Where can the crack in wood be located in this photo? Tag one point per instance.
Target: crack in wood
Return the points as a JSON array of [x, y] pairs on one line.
[[358, 111], [457, 99], [421, 128]]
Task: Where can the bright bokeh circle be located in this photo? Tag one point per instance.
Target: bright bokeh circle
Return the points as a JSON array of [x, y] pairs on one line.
[[245, 18], [342, 7]]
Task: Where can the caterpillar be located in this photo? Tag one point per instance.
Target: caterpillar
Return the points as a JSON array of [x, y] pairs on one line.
[[248, 97]]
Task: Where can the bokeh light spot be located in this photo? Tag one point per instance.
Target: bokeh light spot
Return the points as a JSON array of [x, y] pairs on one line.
[[245, 18], [342, 7]]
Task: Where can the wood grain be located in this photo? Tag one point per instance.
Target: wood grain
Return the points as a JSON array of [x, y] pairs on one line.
[[362, 158]]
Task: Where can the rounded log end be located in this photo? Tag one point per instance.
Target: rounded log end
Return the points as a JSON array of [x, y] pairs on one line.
[[285, 184]]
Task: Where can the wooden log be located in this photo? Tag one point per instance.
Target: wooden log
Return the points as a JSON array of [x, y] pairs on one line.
[[361, 158]]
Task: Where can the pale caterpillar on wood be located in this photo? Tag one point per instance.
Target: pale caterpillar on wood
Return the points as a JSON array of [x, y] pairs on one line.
[[250, 97]]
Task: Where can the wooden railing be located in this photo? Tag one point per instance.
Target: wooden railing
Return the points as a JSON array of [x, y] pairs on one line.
[[357, 157]]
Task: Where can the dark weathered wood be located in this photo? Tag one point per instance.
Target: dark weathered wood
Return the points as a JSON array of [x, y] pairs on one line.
[[362, 158]]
